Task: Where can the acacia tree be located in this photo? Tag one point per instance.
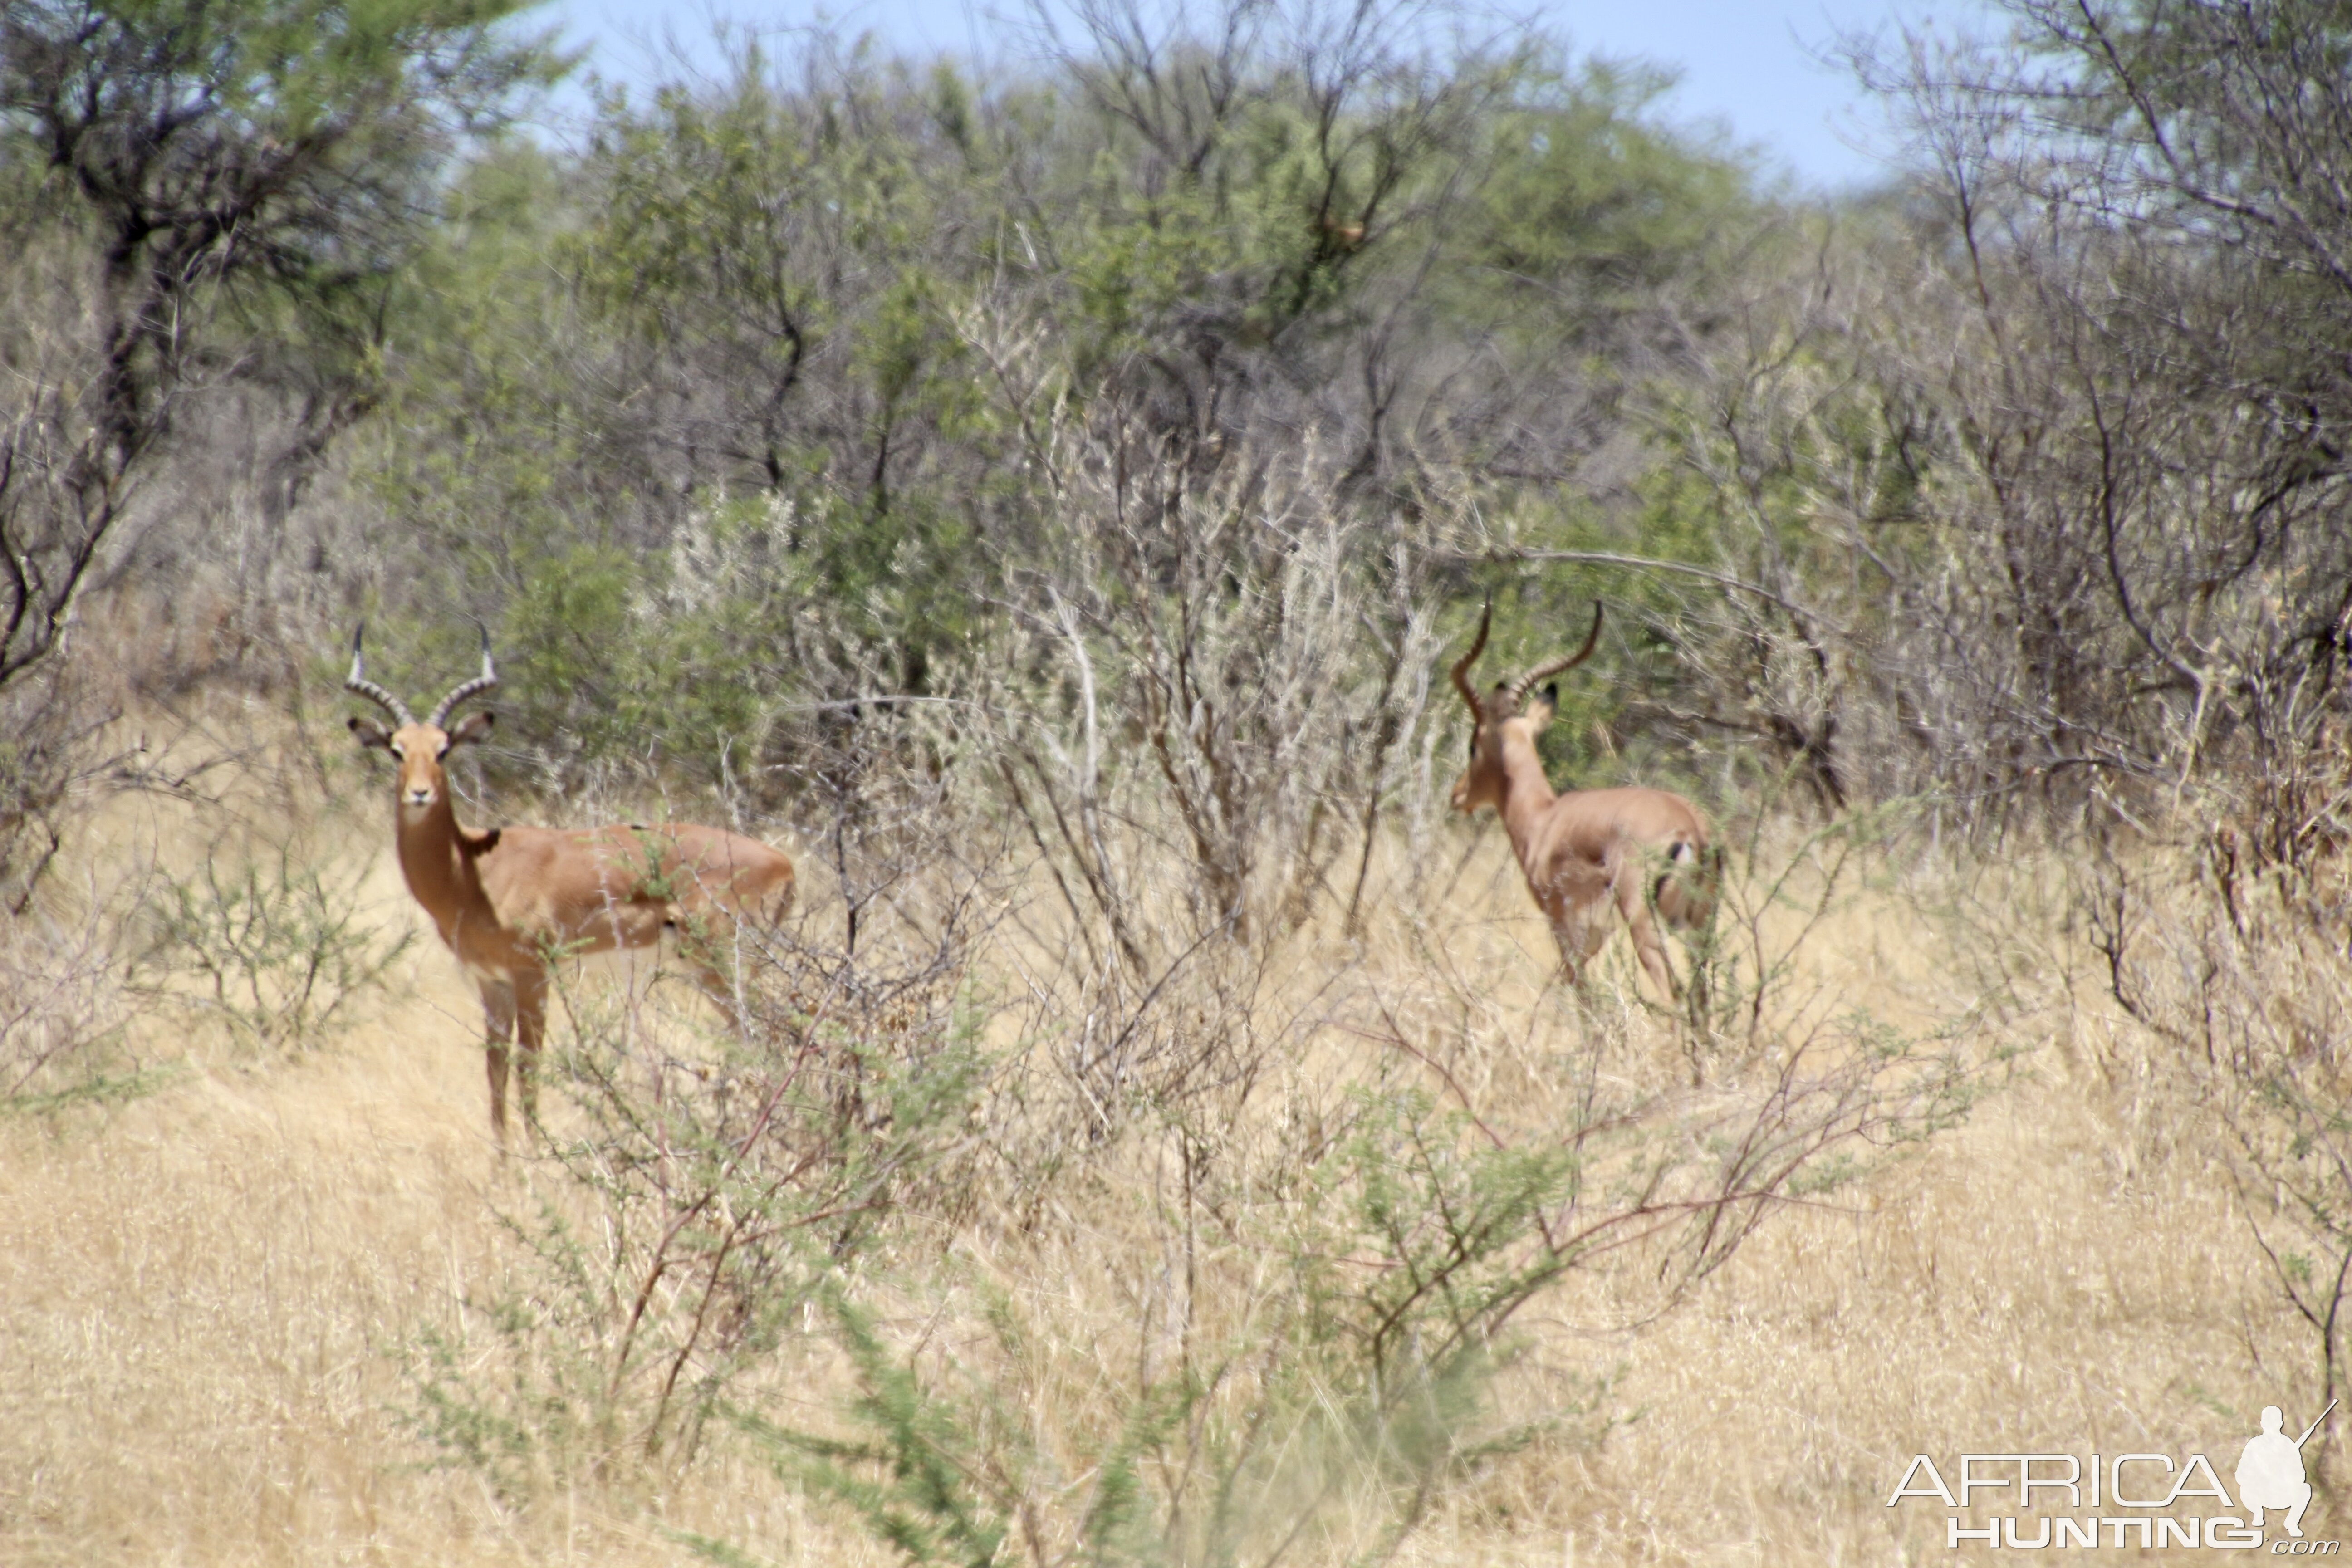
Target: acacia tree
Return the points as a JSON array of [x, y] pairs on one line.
[[777, 386], [2018, 486], [223, 189], [197, 196], [2143, 459]]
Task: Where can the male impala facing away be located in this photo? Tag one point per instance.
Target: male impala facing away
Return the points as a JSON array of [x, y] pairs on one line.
[[508, 899], [1581, 849]]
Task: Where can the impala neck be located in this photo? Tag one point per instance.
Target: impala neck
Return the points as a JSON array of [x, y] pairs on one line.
[[1526, 793], [439, 876]]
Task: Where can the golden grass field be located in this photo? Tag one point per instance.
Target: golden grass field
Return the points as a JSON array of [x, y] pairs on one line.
[[207, 1286]]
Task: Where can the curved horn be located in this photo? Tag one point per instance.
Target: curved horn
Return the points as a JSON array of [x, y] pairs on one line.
[[1521, 687], [1462, 665], [474, 687], [357, 683]]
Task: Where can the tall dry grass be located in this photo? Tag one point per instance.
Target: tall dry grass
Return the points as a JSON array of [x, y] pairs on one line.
[[215, 1290]]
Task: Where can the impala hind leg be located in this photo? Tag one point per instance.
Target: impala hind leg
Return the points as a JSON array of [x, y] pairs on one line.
[[1646, 946], [1684, 892]]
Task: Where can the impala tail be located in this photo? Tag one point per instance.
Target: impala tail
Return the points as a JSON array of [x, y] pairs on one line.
[[1687, 890]]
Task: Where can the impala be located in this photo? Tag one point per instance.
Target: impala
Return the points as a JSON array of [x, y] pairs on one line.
[[1583, 849], [508, 901]]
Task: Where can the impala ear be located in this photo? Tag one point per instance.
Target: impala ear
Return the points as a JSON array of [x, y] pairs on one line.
[[474, 728], [371, 733], [1539, 711]]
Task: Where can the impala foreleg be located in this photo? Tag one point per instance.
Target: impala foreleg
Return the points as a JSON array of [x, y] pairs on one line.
[[715, 984], [498, 1023], [530, 1027], [710, 940], [1581, 927], [513, 1009]]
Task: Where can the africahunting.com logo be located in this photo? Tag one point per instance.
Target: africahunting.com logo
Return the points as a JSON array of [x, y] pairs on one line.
[[2127, 1501]]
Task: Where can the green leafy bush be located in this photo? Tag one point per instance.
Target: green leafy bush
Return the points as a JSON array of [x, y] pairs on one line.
[[696, 1193], [266, 944]]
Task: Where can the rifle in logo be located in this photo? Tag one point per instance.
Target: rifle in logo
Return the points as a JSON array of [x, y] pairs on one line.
[[2270, 1472]]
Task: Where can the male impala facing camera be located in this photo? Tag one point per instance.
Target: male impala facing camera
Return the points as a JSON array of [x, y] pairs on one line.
[[508, 900]]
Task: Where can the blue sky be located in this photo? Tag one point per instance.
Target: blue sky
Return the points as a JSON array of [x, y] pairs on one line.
[[1751, 69]]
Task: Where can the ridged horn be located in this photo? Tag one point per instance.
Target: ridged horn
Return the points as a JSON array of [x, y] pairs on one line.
[[1462, 665], [357, 683], [474, 687], [1524, 683]]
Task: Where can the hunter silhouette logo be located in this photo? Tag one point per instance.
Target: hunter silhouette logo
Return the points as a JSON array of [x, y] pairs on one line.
[[2270, 1473], [2127, 1502]]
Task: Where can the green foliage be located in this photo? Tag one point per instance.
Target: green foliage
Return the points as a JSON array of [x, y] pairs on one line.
[[266, 944], [1362, 1389], [265, 139], [910, 1483], [482, 443], [699, 1194], [856, 328], [779, 252], [206, 205], [1358, 1387], [1457, 1224], [1593, 206], [231, 186]]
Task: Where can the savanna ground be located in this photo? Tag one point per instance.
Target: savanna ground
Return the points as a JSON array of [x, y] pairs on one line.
[[217, 1281]]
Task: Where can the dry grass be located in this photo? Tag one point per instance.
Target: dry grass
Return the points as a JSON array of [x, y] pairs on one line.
[[206, 1289]]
